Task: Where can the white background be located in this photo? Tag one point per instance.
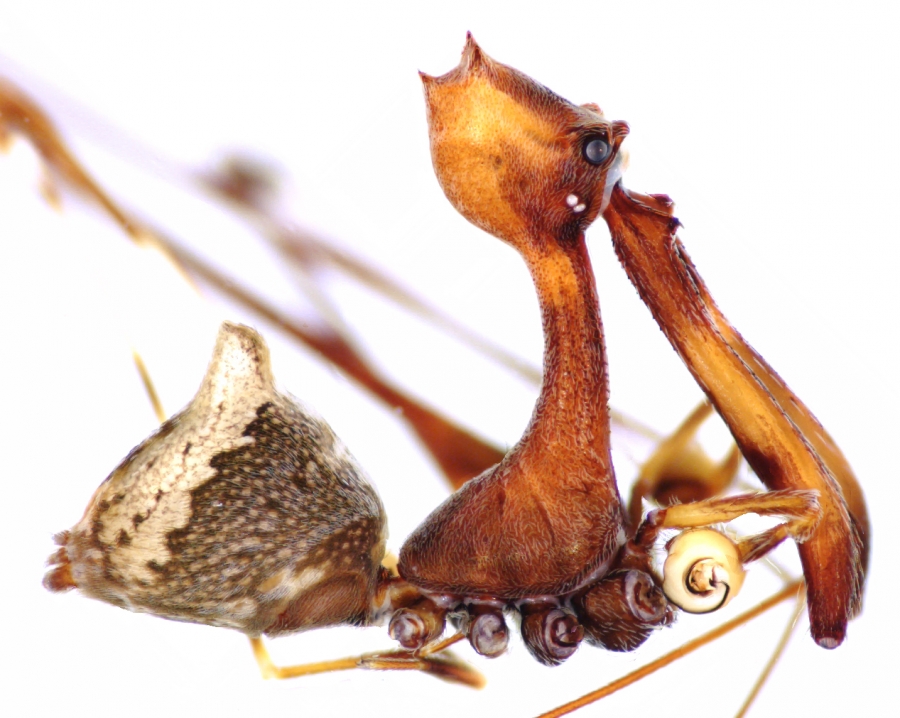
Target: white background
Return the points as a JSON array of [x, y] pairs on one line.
[[772, 128]]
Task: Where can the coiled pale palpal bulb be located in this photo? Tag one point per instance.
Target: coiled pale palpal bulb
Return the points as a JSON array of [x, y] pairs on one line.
[[703, 571]]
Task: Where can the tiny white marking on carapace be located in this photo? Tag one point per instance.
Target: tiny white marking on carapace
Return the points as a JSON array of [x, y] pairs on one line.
[[579, 208], [572, 200], [157, 484]]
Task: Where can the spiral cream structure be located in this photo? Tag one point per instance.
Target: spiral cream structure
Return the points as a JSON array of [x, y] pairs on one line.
[[703, 571]]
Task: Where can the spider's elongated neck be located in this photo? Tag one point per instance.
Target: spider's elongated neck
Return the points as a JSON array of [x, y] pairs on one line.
[[572, 412], [530, 168]]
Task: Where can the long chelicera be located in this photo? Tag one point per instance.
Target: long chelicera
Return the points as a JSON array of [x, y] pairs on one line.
[[778, 435]]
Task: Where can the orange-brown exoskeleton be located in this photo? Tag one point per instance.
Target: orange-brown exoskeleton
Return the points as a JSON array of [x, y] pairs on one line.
[[245, 511], [547, 524]]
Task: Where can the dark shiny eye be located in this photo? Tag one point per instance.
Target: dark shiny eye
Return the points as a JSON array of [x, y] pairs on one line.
[[596, 150]]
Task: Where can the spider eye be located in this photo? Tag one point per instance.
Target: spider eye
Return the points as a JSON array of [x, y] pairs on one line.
[[596, 150]]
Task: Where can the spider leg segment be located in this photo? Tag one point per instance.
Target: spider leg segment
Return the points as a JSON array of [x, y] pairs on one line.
[[679, 470], [432, 660]]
